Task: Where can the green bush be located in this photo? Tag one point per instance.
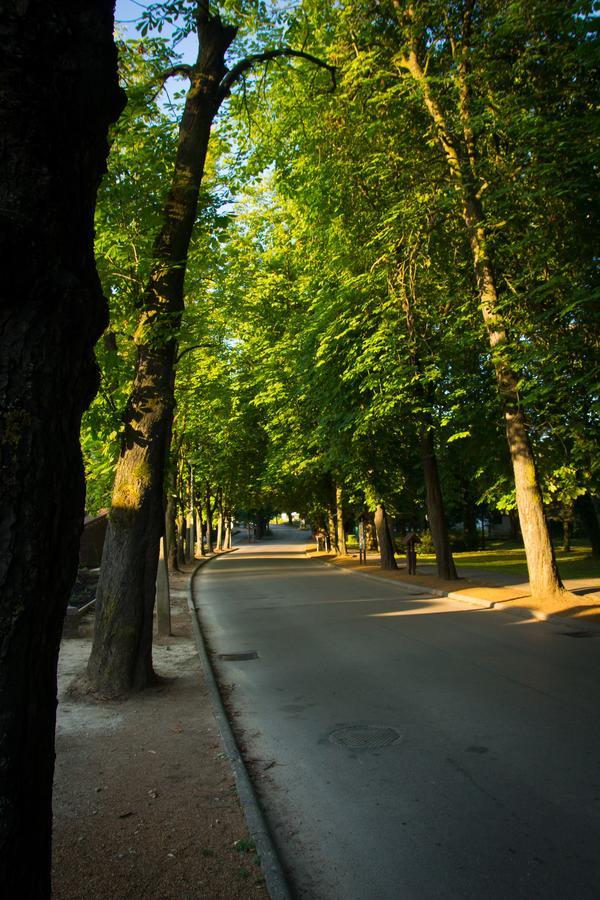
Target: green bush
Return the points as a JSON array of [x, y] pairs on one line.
[[426, 545]]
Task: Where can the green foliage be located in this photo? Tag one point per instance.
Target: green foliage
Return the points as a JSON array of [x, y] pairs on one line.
[[332, 311]]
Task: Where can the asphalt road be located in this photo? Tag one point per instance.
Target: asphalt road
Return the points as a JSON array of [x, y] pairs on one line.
[[407, 747]]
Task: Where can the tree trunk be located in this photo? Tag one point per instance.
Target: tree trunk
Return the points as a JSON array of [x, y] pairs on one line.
[[332, 531], [181, 536], [469, 516], [199, 549], [586, 510], [339, 509], [209, 538], [435, 507], [163, 594], [220, 530], [568, 514], [371, 536], [121, 658], [171, 532], [544, 579], [59, 93], [515, 531], [433, 488], [384, 539], [192, 520], [227, 539], [219, 508]]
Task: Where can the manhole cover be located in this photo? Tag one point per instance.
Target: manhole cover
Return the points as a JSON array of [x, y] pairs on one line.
[[252, 654], [364, 737]]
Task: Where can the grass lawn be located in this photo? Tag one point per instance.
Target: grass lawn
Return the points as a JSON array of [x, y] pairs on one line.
[[501, 556]]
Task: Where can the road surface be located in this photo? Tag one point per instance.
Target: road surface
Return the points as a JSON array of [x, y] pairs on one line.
[[403, 746]]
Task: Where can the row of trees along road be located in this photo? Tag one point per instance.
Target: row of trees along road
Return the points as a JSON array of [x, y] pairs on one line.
[[391, 288], [381, 296]]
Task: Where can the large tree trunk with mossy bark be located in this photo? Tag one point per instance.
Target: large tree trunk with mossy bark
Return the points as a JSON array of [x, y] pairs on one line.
[[121, 658], [58, 81], [435, 507], [385, 539], [460, 153]]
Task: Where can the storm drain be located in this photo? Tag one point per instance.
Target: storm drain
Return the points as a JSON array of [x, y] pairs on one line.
[[364, 737], [252, 654]]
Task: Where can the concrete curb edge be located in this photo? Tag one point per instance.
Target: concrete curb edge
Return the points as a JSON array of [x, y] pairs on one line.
[[495, 605], [275, 880]]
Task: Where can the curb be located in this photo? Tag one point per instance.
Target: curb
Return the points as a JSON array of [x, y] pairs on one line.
[[434, 592], [275, 880], [495, 605]]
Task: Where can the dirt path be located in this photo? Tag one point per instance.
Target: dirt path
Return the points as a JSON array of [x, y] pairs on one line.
[[144, 799]]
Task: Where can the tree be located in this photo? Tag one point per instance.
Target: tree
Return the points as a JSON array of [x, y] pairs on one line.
[[121, 658], [60, 92], [457, 128]]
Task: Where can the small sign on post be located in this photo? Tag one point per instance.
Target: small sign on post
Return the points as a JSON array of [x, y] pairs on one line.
[[411, 540]]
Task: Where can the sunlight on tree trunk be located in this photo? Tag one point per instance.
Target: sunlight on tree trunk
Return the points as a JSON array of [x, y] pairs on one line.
[[384, 539], [121, 658], [544, 579]]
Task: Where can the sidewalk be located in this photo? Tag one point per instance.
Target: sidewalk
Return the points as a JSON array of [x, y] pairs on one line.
[[144, 798], [488, 589]]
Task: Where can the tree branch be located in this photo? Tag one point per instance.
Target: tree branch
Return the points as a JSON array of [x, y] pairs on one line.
[[162, 78], [204, 346], [180, 69], [246, 64]]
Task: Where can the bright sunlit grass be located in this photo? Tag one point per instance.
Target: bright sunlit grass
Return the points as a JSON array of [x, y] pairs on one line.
[[576, 564]]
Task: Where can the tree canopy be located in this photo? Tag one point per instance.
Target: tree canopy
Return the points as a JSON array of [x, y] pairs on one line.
[[392, 259]]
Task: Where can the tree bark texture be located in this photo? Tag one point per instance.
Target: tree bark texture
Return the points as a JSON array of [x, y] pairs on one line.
[[332, 531], [459, 151], [384, 539], [228, 532], [171, 532], [435, 507], [209, 539], [121, 658], [339, 510], [199, 548], [59, 87]]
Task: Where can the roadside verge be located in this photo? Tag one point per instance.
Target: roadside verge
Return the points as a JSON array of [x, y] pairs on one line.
[[580, 611]]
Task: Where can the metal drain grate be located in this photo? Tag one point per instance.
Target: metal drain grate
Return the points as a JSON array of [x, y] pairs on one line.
[[230, 657], [364, 737]]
